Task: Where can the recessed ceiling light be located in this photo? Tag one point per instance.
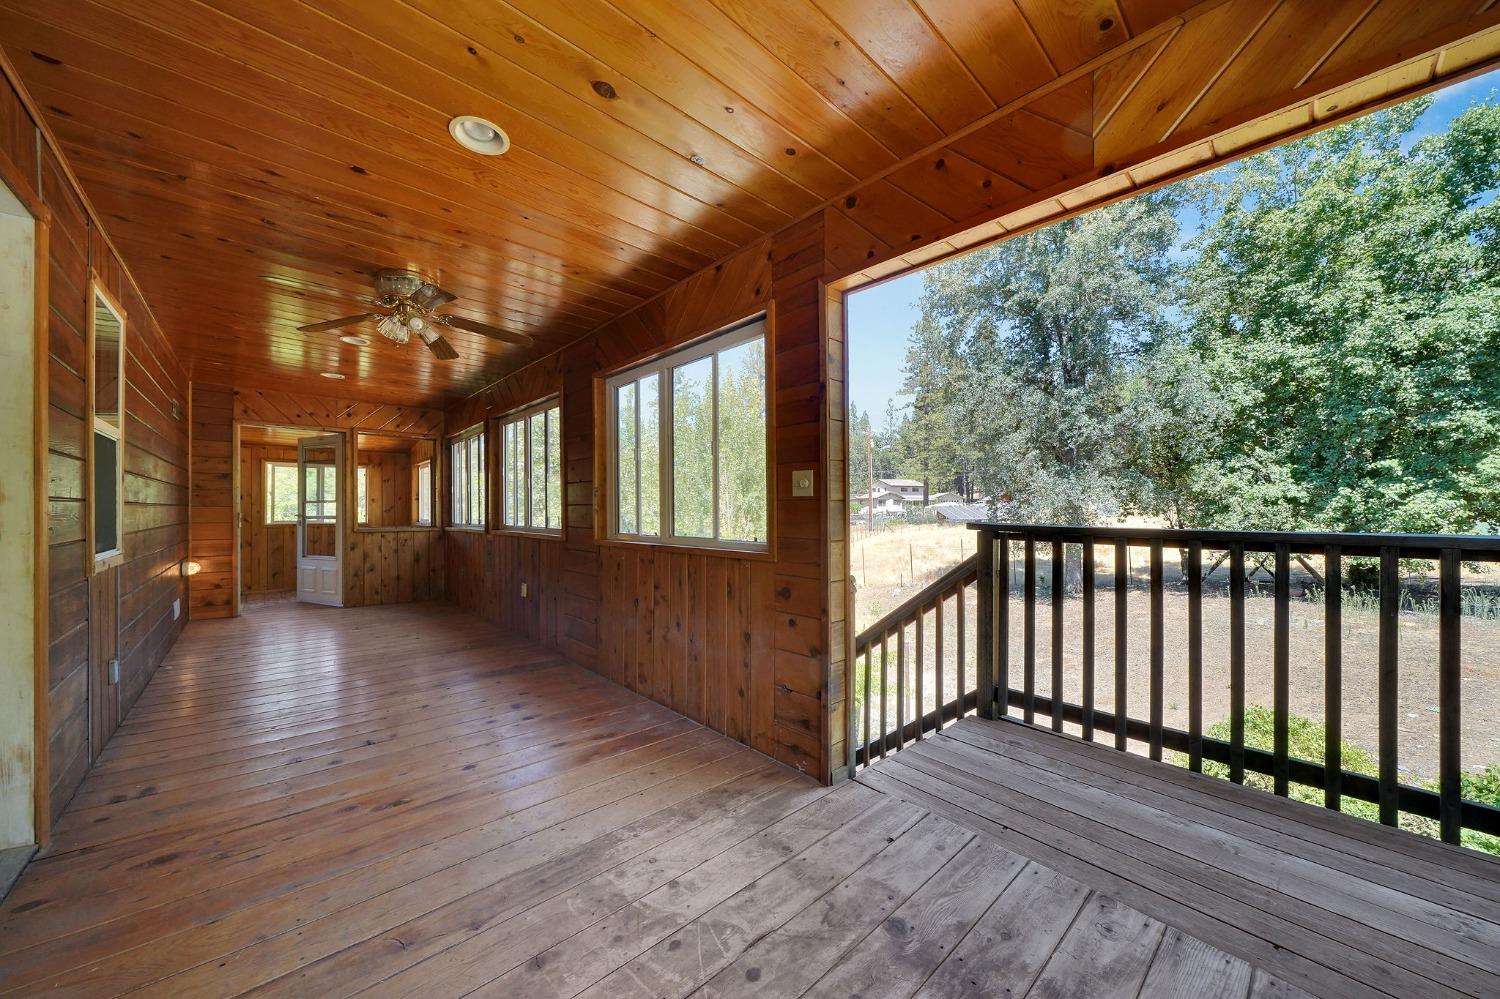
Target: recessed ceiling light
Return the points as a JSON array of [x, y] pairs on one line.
[[355, 341], [479, 135], [332, 374]]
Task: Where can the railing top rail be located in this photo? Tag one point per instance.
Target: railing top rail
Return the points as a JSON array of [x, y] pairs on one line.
[[1481, 546], [920, 599]]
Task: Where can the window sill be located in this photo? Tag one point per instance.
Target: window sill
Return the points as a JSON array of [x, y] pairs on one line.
[[539, 533], [466, 529], [378, 529], [759, 554]]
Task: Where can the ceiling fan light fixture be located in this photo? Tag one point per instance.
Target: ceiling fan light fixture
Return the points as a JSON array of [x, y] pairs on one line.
[[355, 341], [479, 135], [393, 329], [416, 323]]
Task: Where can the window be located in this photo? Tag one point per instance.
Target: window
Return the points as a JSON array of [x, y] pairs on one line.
[[531, 469], [281, 492], [688, 444], [466, 458], [424, 493], [320, 495], [106, 375], [362, 494]]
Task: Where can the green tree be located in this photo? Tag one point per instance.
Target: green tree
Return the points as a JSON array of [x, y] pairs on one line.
[[1023, 351], [1344, 300]]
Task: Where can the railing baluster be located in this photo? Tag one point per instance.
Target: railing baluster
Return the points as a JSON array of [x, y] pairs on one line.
[[869, 695], [961, 668], [1237, 663], [1122, 631], [1059, 561], [1281, 667], [1390, 610], [1158, 603], [885, 678], [1000, 609], [1333, 677], [1088, 639], [1028, 634], [1195, 656], [921, 667], [984, 666], [901, 686], [938, 661], [1450, 682]]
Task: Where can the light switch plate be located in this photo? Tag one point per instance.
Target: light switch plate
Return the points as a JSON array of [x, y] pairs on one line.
[[176, 609], [523, 589], [802, 482]]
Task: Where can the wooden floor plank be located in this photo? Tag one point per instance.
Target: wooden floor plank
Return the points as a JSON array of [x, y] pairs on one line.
[[784, 963], [692, 955], [901, 954], [1013, 940], [1104, 955]]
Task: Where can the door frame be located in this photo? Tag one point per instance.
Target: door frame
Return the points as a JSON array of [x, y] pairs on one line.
[[236, 484]]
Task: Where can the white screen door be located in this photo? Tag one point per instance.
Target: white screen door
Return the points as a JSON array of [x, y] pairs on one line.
[[320, 467]]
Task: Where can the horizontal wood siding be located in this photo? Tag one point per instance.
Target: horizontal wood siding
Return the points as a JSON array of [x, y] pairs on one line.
[[81, 710]]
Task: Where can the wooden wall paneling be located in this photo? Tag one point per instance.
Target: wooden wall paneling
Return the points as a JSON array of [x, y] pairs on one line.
[[211, 537], [127, 610], [267, 552]]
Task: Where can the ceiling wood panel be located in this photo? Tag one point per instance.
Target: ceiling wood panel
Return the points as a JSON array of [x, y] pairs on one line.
[[257, 164]]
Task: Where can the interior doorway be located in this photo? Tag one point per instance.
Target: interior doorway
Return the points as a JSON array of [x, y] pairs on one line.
[[290, 516]]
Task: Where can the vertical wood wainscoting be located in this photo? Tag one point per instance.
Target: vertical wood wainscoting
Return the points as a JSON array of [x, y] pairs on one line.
[[268, 552], [82, 707], [736, 642]]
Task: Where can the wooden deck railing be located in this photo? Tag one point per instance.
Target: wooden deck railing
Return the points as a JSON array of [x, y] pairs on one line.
[[1004, 685]]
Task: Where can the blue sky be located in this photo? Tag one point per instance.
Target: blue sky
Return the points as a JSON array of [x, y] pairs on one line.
[[881, 318]]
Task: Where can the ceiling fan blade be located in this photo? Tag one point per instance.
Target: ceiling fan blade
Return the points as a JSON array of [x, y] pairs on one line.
[[484, 329], [430, 296], [441, 348], [334, 324]]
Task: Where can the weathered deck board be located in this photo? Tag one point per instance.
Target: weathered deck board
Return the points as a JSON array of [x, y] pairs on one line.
[[407, 801], [1322, 902]]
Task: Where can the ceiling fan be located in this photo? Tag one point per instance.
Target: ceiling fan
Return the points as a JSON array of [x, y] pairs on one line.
[[409, 301]]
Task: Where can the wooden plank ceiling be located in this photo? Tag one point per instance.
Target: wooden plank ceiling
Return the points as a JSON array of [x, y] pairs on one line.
[[255, 164]]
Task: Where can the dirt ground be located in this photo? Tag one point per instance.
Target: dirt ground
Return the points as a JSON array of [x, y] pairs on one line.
[[886, 564]]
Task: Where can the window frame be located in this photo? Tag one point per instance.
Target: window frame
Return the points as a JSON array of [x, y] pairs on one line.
[[269, 478], [463, 437], [361, 495], [424, 472], [719, 341], [99, 561], [521, 417]]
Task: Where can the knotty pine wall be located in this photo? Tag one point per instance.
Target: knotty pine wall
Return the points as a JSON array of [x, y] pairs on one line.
[[381, 565], [736, 642], [81, 706], [268, 552]]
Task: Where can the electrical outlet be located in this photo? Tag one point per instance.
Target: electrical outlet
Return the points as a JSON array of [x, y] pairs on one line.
[[523, 589], [176, 609], [802, 482]]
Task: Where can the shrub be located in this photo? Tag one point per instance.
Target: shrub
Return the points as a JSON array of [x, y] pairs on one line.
[[1305, 740]]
